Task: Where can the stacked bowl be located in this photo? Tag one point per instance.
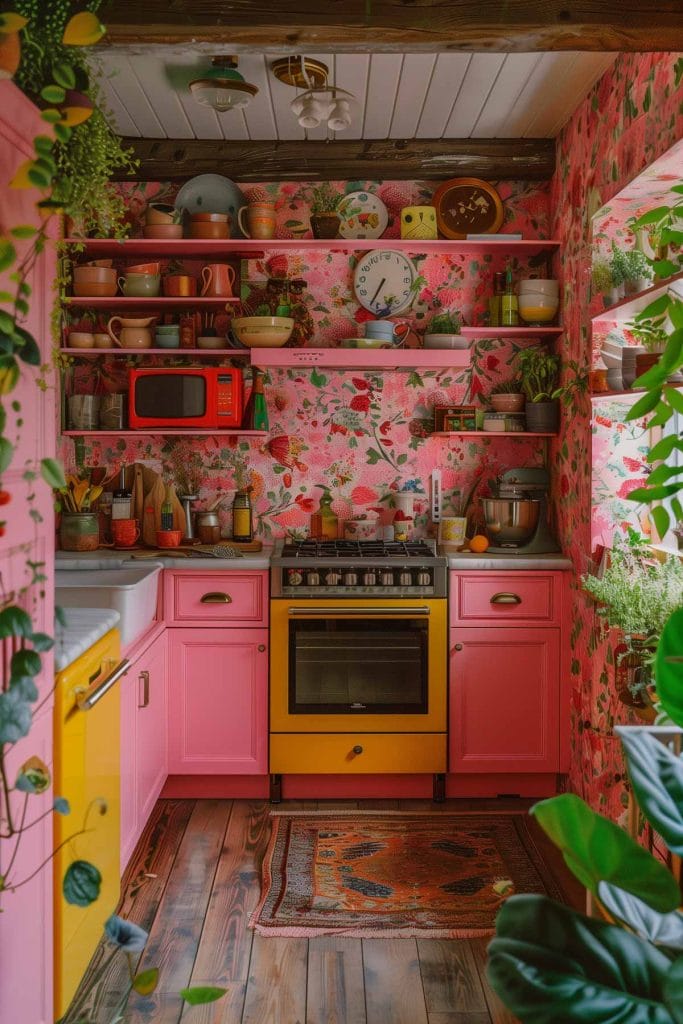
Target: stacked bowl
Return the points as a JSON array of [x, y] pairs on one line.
[[612, 356], [538, 300]]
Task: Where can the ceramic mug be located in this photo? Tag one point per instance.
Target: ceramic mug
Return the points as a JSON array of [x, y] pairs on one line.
[[218, 279], [135, 333], [125, 532], [167, 336], [161, 213], [140, 286], [260, 220], [180, 285], [383, 329]]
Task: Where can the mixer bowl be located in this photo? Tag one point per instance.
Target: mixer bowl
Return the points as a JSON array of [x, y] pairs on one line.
[[510, 522]]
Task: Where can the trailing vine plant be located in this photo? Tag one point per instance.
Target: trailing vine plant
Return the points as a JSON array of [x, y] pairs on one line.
[[42, 46]]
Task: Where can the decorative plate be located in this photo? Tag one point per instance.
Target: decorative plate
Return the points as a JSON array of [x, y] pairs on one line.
[[212, 193], [362, 215], [467, 205]]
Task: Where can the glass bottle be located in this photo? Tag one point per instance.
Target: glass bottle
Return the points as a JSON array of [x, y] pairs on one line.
[[256, 412], [241, 517], [495, 300], [509, 314], [329, 521], [120, 506]]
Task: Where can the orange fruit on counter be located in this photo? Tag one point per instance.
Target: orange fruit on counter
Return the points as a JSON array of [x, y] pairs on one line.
[[479, 544]]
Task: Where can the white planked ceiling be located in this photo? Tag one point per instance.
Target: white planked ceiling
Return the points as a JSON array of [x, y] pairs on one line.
[[399, 95]]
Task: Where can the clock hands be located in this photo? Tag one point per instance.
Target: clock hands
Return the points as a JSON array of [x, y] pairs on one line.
[[380, 285]]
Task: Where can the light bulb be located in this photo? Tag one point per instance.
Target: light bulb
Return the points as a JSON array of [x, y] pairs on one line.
[[340, 116]]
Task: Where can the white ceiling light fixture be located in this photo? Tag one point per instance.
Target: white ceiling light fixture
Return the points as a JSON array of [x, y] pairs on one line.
[[223, 88], [320, 103]]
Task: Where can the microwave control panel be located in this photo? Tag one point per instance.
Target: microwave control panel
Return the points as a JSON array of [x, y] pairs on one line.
[[229, 399]]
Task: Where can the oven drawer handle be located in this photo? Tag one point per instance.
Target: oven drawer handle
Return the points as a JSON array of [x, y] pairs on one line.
[[215, 597], [506, 597], [89, 702], [368, 612]]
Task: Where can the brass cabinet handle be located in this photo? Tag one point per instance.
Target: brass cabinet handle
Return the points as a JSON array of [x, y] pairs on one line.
[[261, 647], [357, 749], [506, 598], [458, 647], [216, 597], [144, 679]]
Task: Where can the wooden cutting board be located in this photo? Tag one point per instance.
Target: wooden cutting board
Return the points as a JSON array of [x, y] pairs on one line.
[[186, 550], [151, 521]]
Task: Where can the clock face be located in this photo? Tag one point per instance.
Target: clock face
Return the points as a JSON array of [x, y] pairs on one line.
[[383, 282]]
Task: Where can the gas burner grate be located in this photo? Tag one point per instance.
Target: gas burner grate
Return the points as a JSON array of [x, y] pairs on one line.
[[369, 549]]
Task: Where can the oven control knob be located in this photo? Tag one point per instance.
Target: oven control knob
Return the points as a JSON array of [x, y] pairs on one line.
[[313, 579], [387, 578], [369, 579], [405, 579], [357, 749], [333, 578], [423, 579], [350, 579], [295, 578]]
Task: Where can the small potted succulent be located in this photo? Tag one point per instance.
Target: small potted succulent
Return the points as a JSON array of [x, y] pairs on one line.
[[601, 280], [443, 331], [325, 202], [637, 273], [508, 396], [618, 268]]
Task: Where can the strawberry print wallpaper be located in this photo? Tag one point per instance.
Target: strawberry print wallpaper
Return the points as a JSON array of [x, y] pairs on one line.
[[362, 434], [632, 116]]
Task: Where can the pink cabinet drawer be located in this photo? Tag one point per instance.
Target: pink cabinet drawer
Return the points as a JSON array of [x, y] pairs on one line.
[[233, 598], [523, 597]]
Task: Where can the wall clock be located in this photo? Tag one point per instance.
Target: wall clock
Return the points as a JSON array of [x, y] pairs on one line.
[[383, 282]]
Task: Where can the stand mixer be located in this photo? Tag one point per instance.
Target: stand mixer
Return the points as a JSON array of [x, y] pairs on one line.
[[517, 520]]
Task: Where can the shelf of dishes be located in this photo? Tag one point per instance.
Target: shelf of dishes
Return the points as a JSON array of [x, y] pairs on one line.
[[248, 248], [156, 302], [92, 350], [361, 359], [166, 432]]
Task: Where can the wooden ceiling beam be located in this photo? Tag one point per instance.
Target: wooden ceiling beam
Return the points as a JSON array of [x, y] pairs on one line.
[[375, 26], [434, 159]]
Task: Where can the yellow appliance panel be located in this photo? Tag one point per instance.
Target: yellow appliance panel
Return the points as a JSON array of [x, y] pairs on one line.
[[86, 772], [357, 753], [281, 721]]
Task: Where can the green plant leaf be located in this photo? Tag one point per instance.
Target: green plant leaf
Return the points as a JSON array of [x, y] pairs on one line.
[[202, 994], [146, 982], [43, 145], [61, 806], [64, 75], [25, 663], [84, 29], [660, 517], [34, 776], [651, 217], [42, 642], [25, 688], [23, 231], [28, 351], [14, 621], [673, 990], [52, 472], [675, 398], [81, 883], [6, 453], [649, 494], [595, 849], [663, 449], [656, 308], [549, 965], [8, 254], [39, 177], [15, 716], [644, 405], [51, 116], [669, 667], [656, 775], [660, 929], [53, 94]]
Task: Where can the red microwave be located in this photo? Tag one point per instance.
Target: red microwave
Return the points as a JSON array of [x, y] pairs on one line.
[[207, 397]]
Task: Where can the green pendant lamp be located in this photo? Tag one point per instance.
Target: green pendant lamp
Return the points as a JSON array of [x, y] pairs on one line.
[[223, 88]]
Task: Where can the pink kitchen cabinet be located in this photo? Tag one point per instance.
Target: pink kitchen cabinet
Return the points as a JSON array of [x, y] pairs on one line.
[[218, 701], [504, 700], [144, 741]]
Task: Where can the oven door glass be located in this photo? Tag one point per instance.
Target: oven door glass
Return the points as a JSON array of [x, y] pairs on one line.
[[376, 665]]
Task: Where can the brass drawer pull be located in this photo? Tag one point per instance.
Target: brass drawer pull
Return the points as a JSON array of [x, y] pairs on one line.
[[261, 647], [216, 597], [143, 679], [506, 598], [458, 647], [357, 749]]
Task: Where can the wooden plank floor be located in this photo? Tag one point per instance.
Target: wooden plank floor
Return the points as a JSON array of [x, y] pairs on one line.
[[193, 882]]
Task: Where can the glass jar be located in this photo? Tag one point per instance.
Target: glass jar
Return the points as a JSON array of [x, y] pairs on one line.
[[79, 531]]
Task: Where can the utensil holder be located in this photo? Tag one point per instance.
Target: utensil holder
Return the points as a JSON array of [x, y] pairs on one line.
[[83, 412]]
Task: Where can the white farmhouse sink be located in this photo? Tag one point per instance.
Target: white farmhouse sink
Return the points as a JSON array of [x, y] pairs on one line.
[[130, 590]]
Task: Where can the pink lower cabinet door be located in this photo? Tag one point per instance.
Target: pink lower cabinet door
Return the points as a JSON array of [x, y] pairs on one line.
[[218, 692], [504, 700], [151, 738]]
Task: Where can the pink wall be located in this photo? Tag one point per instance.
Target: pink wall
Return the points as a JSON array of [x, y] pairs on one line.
[[363, 434], [632, 116]]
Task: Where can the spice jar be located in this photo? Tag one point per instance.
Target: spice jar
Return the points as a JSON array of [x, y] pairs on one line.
[[241, 517], [208, 527]]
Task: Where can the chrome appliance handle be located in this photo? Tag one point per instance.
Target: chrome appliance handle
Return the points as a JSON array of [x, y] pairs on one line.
[[89, 702], [506, 598], [144, 679], [215, 597], [370, 611]]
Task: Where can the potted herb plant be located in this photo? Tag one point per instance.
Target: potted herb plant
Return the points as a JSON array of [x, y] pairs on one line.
[[601, 279], [651, 329], [325, 202], [443, 331], [637, 271], [508, 396], [617, 266], [539, 372]]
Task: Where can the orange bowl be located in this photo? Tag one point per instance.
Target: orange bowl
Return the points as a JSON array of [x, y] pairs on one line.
[[163, 231], [168, 538], [144, 268], [210, 229], [216, 218]]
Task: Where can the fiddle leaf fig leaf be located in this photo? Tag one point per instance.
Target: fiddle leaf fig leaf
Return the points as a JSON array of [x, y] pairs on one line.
[[81, 884], [656, 774], [548, 964], [595, 849], [661, 929], [669, 667]]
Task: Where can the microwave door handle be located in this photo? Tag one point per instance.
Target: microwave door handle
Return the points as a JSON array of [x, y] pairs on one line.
[[319, 612]]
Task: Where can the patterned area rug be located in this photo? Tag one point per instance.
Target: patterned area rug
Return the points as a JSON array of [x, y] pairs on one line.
[[387, 874]]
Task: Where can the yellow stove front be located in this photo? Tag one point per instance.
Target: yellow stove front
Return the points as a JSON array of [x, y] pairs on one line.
[[86, 773]]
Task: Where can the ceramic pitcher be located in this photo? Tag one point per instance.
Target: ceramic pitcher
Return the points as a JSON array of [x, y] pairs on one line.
[[260, 220], [135, 333], [218, 280]]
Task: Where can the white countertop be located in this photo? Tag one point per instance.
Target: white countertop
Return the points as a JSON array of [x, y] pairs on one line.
[[104, 559], [468, 560], [84, 627]]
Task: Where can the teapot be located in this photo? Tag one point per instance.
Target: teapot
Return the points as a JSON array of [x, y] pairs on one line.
[[135, 332]]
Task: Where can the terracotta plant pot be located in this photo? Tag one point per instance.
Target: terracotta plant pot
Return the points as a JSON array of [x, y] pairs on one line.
[[325, 225], [507, 402]]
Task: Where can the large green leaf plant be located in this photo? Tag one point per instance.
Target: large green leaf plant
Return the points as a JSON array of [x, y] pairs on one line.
[[547, 962]]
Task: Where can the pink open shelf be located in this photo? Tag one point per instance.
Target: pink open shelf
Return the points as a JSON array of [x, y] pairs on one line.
[[254, 248], [361, 359], [166, 432], [627, 307], [160, 302], [511, 332], [489, 433], [240, 352]]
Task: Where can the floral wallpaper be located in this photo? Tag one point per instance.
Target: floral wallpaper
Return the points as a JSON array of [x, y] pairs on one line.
[[633, 115], [364, 435]]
